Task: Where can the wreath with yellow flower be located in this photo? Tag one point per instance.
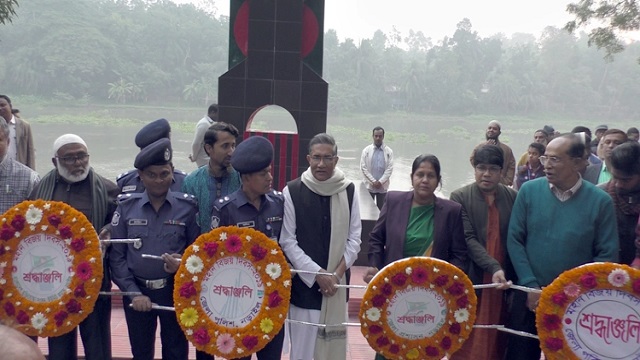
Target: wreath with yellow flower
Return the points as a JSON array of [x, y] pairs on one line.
[[50, 267], [232, 291], [590, 312], [418, 308]]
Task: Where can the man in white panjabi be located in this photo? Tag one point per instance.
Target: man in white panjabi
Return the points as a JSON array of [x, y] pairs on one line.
[[320, 233]]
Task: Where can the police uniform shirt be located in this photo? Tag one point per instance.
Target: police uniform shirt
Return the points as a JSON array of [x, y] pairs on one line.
[[235, 209], [129, 182], [170, 230]]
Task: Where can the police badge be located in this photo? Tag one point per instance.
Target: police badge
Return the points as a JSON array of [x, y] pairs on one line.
[[215, 222]]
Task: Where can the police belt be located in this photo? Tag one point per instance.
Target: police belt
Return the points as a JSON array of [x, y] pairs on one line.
[[152, 284]]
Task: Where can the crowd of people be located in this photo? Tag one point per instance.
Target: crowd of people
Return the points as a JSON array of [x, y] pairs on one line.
[[564, 203]]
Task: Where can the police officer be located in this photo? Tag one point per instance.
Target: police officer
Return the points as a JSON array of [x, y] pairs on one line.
[[165, 221], [254, 205], [129, 182]]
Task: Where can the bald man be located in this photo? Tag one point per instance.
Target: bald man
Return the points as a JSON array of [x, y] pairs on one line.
[[494, 129]]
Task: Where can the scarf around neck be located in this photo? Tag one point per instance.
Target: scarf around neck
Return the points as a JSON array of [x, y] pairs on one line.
[[331, 343]]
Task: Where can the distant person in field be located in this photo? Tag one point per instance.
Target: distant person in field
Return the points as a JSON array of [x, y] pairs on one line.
[[21, 146], [494, 129], [593, 159], [540, 137], [611, 139], [376, 164], [633, 134], [599, 132], [533, 168], [198, 153]]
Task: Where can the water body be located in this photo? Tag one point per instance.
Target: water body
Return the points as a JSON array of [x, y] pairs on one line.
[[113, 150]]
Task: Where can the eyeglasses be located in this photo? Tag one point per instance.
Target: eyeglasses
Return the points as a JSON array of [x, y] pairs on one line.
[[491, 169], [551, 160], [318, 159], [70, 160]]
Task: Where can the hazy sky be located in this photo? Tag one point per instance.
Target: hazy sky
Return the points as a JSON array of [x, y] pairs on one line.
[[358, 19]]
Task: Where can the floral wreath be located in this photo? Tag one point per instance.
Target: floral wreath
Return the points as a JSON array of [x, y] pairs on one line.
[[558, 297], [435, 275], [68, 228], [269, 261]]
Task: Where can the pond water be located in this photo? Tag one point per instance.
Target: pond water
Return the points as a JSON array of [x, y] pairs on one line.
[[113, 150]]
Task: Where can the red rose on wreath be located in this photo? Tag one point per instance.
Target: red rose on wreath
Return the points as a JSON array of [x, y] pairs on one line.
[[382, 341], [274, 299], [394, 348], [387, 289], [432, 351], [77, 244], [559, 299], [201, 336], [636, 286], [554, 344], [399, 279], [446, 343], [211, 248], [442, 280], [462, 301], [250, 342], [60, 317], [258, 252], [589, 280], [375, 329], [79, 291], [9, 309], [455, 329], [65, 231], [187, 290], [18, 222], [378, 300], [54, 220], [6, 233], [456, 289], [73, 306], [22, 317], [551, 322]]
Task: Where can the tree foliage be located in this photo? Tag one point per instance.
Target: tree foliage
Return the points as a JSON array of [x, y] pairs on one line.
[[154, 51], [7, 10], [613, 16]]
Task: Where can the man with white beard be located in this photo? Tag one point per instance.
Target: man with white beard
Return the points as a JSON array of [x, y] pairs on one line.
[[74, 182]]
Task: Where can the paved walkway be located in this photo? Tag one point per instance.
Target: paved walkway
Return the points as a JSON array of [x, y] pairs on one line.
[[358, 348]]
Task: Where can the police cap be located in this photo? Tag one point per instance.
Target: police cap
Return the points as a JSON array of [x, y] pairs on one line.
[[157, 153], [153, 131], [252, 155]]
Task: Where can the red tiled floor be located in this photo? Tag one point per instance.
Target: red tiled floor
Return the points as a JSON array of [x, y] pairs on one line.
[[358, 348]]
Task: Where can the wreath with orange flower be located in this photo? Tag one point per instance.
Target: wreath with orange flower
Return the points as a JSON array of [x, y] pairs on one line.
[[232, 291], [50, 267], [418, 308], [589, 312]]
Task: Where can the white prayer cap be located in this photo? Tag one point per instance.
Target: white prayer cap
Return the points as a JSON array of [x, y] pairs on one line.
[[495, 122], [65, 140]]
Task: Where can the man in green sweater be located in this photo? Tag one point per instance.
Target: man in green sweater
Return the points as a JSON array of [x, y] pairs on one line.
[[558, 222]]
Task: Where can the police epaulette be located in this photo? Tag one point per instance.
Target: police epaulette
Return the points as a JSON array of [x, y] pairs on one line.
[[122, 198], [185, 197], [122, 175]]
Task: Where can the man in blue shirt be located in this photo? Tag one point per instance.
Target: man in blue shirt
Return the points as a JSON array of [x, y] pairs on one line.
[[254, 205], [165, 221]]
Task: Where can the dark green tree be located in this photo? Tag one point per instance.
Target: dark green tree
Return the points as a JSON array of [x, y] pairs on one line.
[[7, 10], [616, 17]]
